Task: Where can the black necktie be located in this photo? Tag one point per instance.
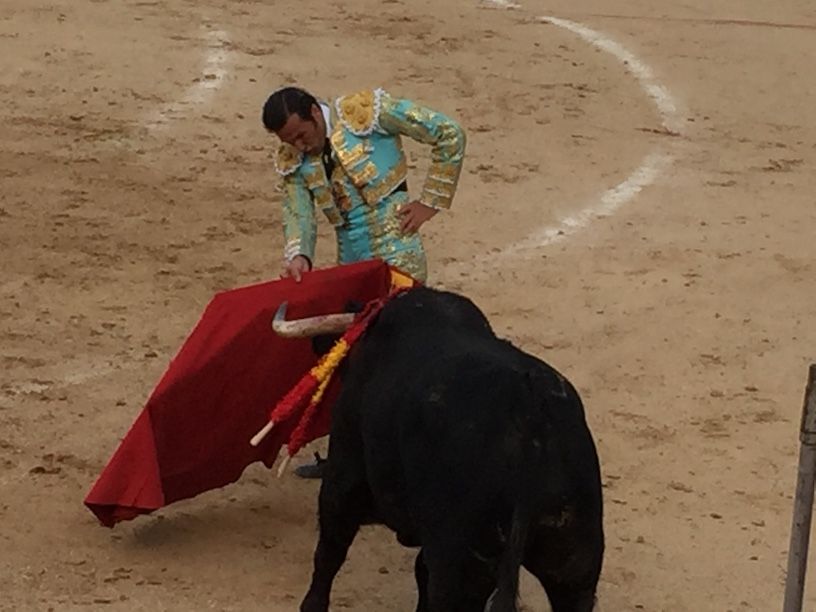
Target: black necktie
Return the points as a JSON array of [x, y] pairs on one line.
[[328, 160]]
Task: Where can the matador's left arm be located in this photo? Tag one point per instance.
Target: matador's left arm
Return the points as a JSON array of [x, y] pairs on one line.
[[446, 136]]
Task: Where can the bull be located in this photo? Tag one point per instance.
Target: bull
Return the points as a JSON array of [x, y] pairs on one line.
[[466, 447]]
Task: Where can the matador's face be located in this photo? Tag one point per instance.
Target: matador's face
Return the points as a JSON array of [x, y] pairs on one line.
[[307, 135]]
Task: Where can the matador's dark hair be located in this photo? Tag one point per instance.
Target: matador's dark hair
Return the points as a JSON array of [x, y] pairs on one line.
[[285, 102]]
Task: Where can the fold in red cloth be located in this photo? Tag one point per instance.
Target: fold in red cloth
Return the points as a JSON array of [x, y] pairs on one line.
[[193, 434]]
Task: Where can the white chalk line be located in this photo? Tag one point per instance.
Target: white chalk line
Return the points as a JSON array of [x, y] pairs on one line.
[[652, 166], [659, 94], [505, 4], [47, 379], [609, 202], [214, 73]]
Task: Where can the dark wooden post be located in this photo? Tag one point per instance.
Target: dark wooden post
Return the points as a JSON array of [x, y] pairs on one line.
[[803, 502]]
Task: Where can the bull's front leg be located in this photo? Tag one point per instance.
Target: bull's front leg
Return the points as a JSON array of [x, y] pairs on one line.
[[332, 548], [421, 573], [344, 504]]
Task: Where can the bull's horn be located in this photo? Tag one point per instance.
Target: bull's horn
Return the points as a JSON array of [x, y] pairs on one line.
[[312, 326]]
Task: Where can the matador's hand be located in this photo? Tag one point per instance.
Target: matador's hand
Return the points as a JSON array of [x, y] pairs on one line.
[[296, 267], [413, 215]]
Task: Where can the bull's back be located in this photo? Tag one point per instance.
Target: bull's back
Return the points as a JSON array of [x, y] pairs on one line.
[[460, 425]]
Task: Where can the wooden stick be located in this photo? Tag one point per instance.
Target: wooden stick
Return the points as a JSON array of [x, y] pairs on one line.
[[803, 502], [256, 439], [284, 464]]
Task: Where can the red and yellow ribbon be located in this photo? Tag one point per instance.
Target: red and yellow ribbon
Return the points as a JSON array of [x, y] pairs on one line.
[[314, 383]]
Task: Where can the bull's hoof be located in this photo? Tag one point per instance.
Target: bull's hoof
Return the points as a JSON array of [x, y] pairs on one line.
[[312, 471], [313, 603]]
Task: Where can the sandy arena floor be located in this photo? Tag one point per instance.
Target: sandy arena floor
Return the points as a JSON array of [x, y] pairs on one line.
[[637, 208]]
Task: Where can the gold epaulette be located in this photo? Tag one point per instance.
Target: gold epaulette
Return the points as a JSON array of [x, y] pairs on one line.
[[288, 159], [360, 112]]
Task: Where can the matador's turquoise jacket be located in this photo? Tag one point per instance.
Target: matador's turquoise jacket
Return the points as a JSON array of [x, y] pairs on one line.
[[368, 183]]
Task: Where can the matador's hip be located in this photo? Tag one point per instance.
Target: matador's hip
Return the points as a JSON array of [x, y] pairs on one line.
[[373, 232]]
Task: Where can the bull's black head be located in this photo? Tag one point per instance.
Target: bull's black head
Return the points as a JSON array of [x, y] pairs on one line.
[[322, 344]]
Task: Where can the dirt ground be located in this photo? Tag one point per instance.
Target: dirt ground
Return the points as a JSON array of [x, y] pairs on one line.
[[137, 181]]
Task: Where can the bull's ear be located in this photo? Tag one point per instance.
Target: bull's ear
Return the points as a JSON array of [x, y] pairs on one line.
[[354, 306], [323, 344]]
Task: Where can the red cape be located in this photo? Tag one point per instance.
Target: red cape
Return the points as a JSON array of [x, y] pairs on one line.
[[193, 434]]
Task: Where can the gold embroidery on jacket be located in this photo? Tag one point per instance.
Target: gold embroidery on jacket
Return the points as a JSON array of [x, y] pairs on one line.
[[360, 112], [389, 183], [287, 160]]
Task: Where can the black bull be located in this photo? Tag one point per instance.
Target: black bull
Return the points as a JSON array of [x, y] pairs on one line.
[[468, 448]]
